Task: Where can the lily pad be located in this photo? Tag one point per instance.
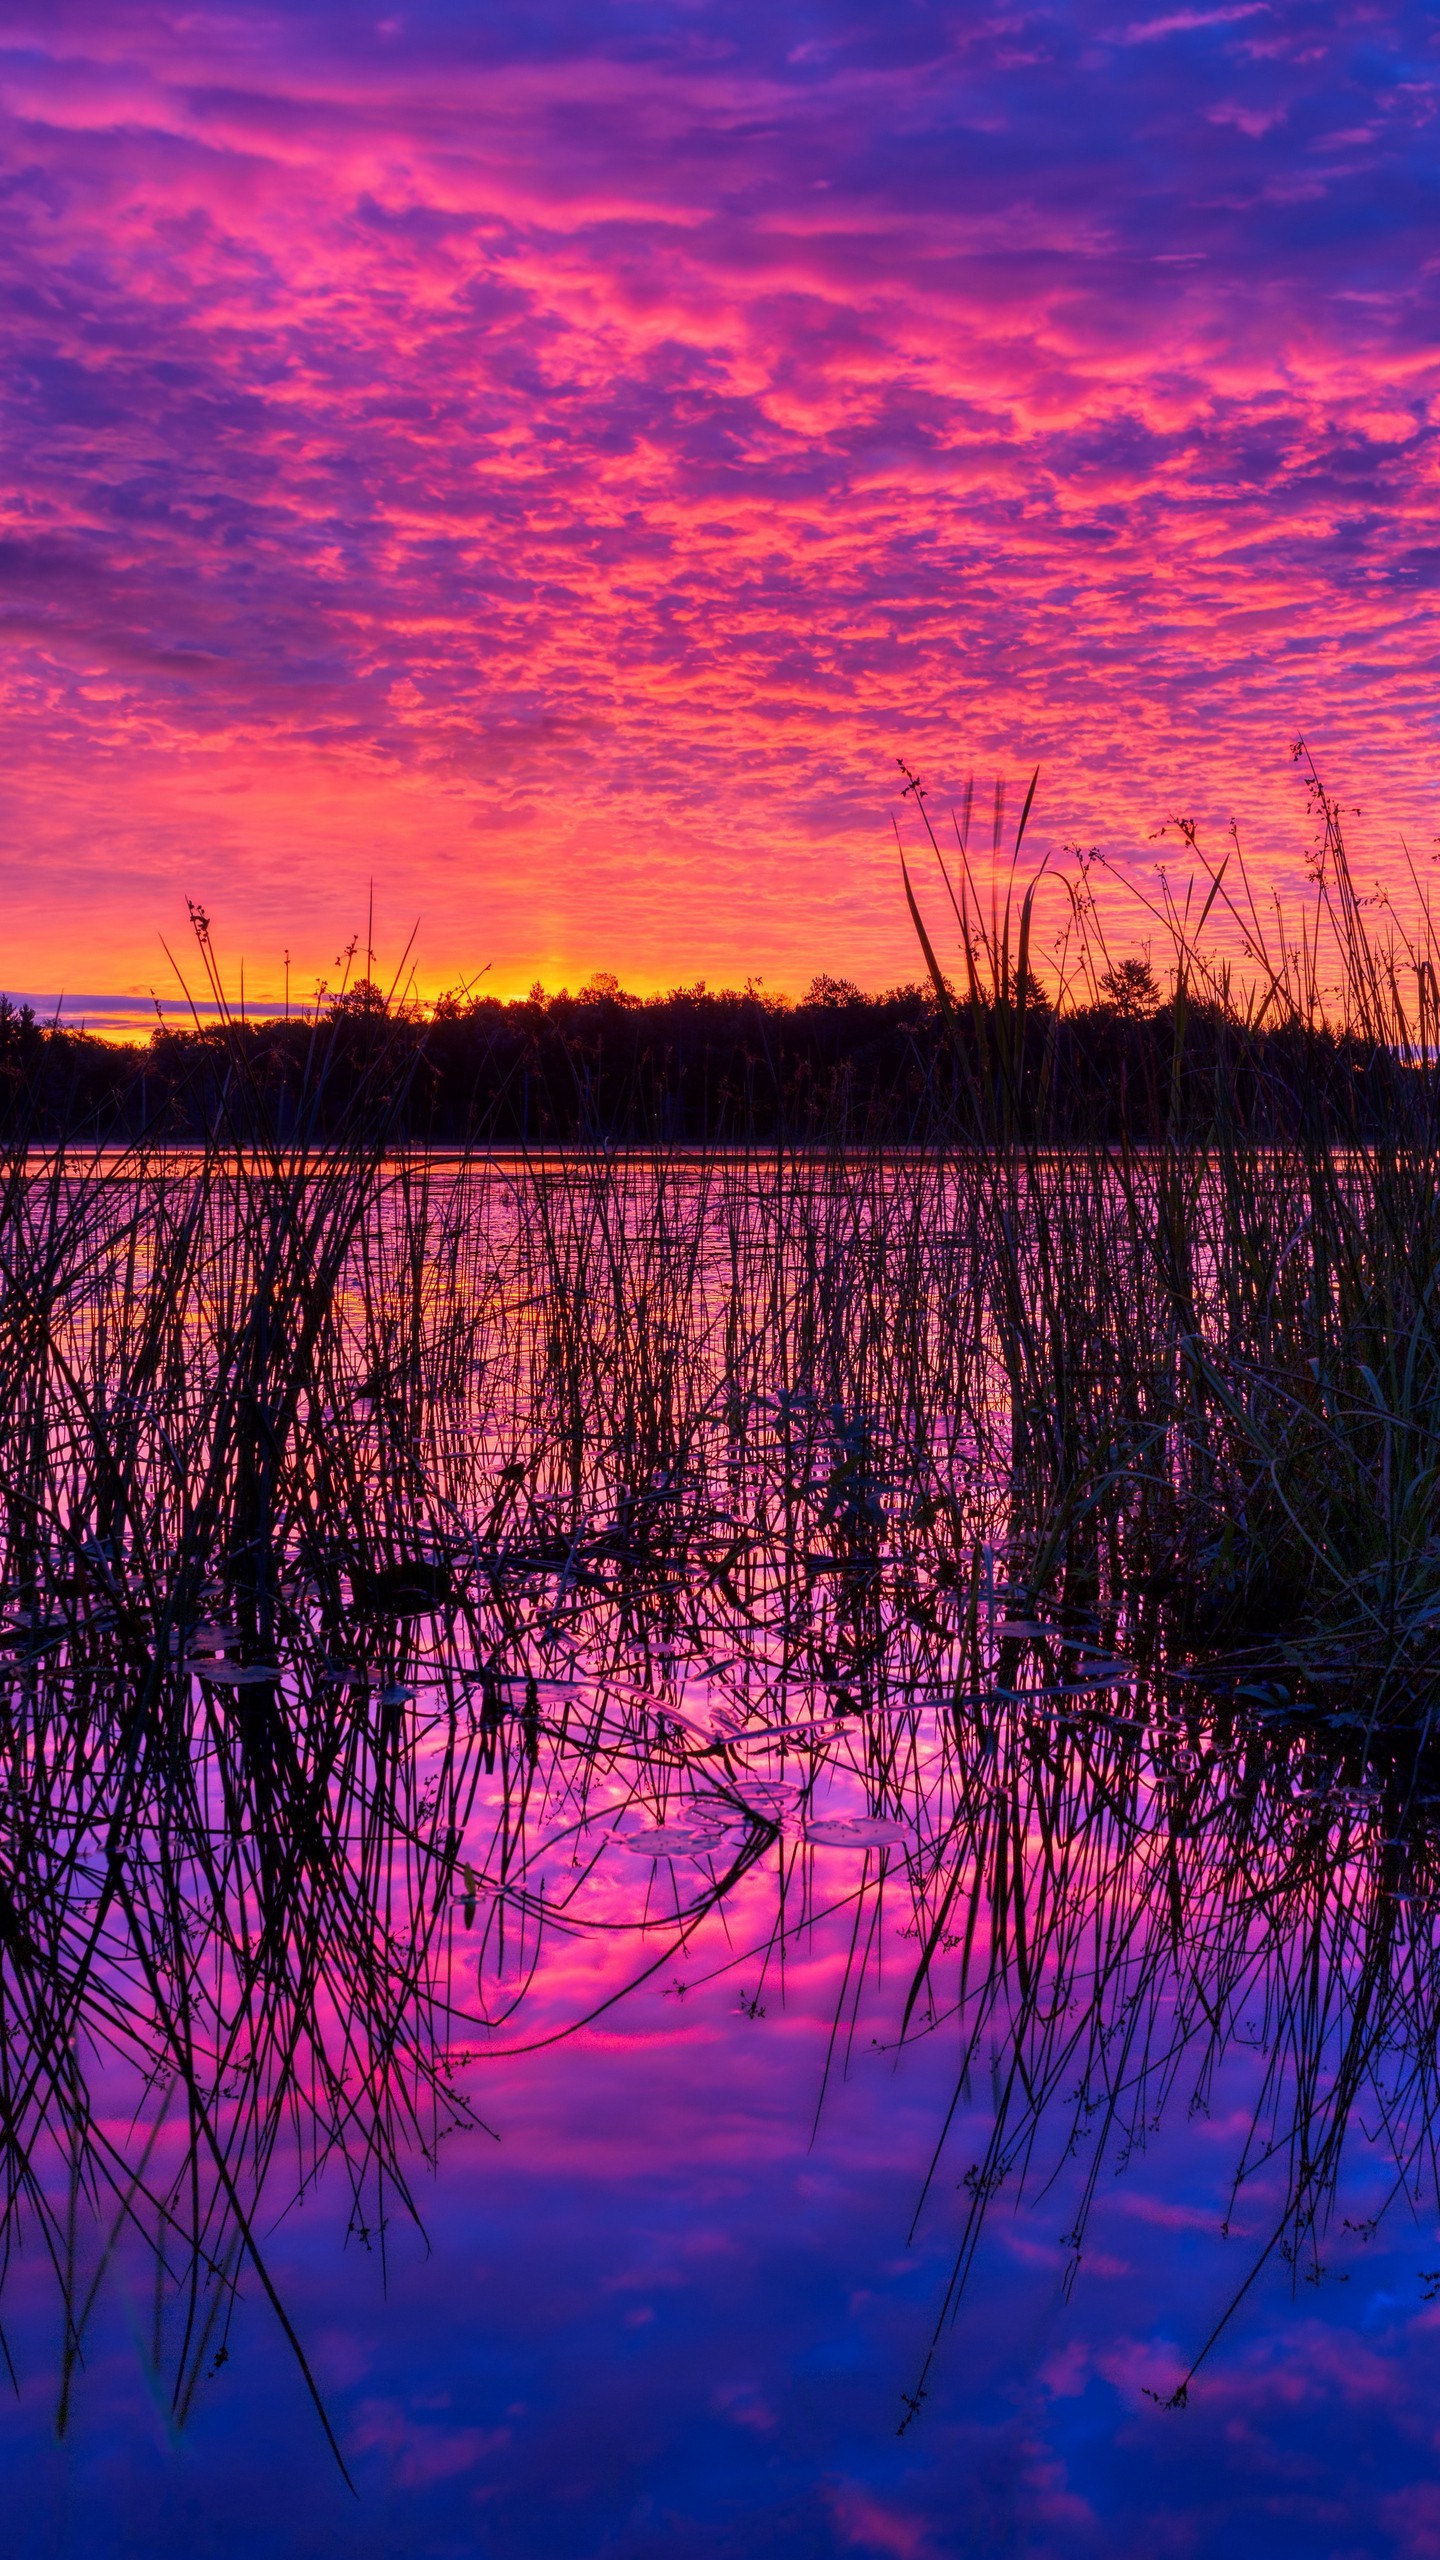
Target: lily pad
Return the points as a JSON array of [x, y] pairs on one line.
[[671, 1840], [236, 1675], [858, 1831]]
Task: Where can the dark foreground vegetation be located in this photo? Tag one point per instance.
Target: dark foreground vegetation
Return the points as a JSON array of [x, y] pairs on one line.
[[1062, 1519], [696, 1068], [1120, 1052]]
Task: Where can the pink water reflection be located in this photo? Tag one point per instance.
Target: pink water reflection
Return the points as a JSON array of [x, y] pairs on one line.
[[585, 1863], [668, 2310]]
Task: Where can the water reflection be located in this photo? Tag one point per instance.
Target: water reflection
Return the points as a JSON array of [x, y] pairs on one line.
[[451, 1612]]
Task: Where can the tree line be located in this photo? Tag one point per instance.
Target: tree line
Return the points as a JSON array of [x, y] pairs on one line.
[[703, 1067]]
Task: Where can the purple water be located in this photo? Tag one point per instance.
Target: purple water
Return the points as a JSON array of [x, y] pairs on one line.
[[670, 2311], [1121, 1998]]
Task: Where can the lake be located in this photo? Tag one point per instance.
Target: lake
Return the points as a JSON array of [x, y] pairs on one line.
[[610, 1943]]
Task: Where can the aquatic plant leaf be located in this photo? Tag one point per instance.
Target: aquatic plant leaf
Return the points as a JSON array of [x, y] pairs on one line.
[[858, 1831]]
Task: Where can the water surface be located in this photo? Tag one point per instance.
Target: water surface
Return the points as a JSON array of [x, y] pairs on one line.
[[591, 1966]]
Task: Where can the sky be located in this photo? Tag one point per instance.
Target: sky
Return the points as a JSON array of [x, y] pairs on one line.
[[552, 460]]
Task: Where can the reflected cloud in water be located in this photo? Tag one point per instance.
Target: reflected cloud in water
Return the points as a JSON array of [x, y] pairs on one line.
[[526, 1653]]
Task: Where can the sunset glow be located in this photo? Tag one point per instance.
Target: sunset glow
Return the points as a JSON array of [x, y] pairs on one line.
[[554, 460]]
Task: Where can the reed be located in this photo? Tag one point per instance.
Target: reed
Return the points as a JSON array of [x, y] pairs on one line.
[[1219, 1349], [392, 1549]]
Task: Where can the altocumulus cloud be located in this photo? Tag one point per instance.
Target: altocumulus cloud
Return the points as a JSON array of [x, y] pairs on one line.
[[566, 452]]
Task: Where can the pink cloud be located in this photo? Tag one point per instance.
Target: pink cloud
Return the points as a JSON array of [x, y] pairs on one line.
[[1188, 21], [864, 2524], [1411, 2516], [511, 474], [421, 2450]]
